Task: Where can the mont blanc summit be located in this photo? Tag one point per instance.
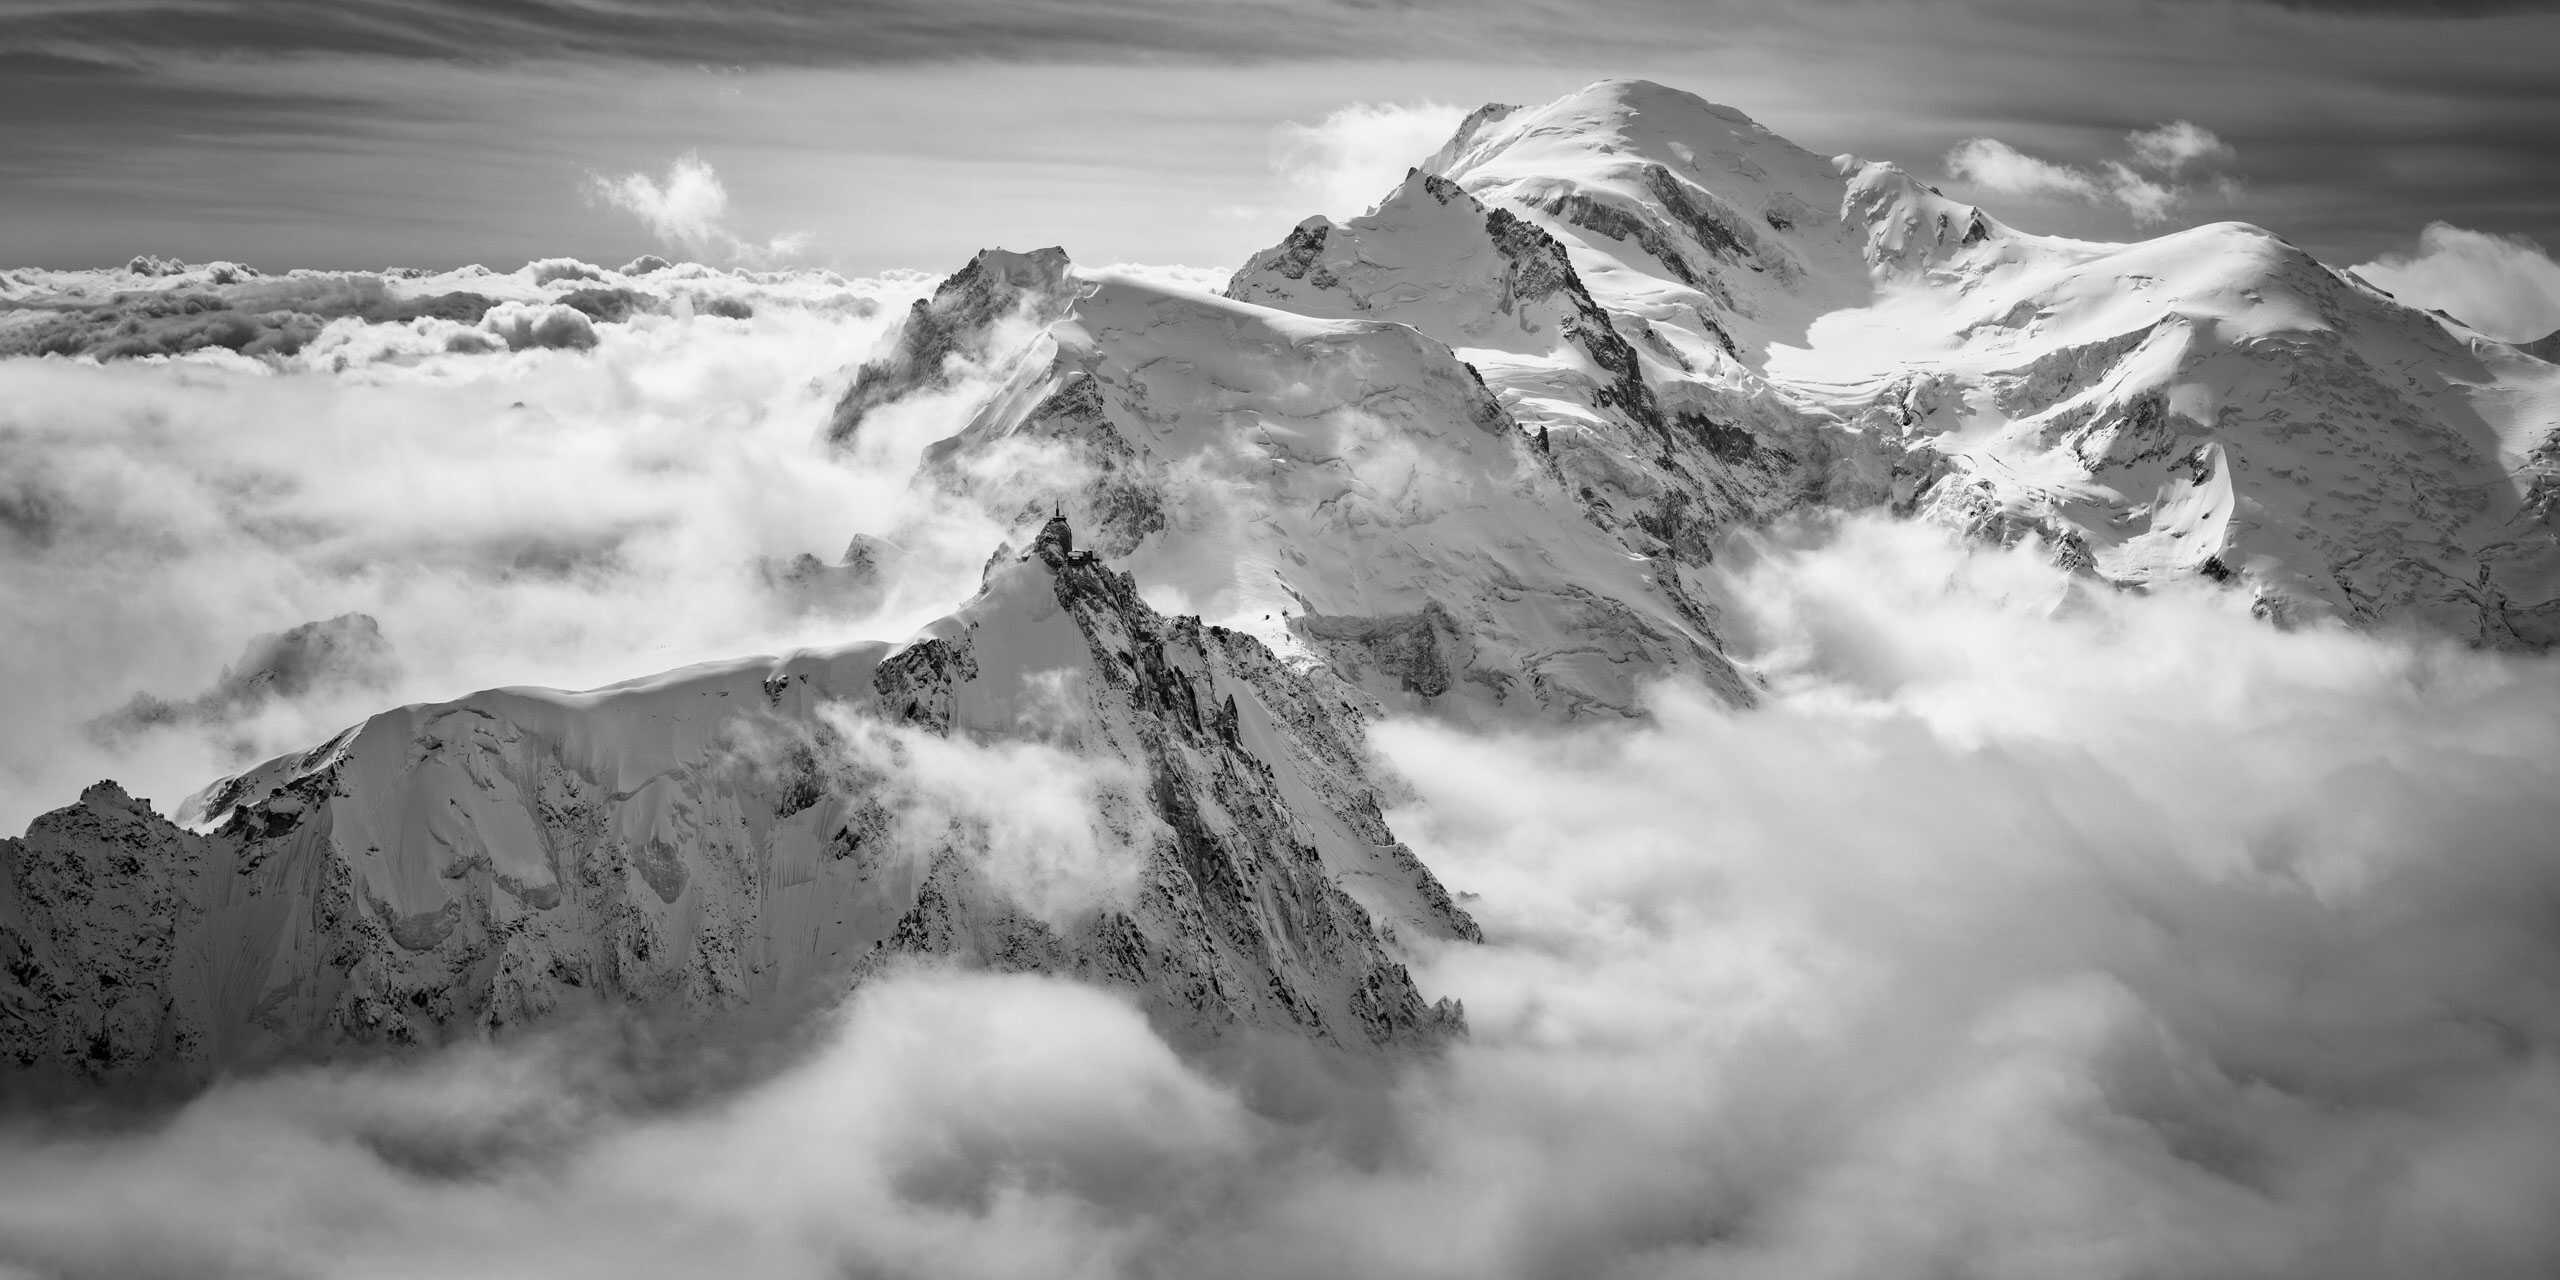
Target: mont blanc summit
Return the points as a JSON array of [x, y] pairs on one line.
[[1686, 324]]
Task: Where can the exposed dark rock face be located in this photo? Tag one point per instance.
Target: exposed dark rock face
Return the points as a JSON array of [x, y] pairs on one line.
[[1299, 255]]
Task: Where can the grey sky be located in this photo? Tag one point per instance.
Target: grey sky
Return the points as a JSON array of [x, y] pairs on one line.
[[368, 132]]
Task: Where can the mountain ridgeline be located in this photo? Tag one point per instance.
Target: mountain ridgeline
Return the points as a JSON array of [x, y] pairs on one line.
[[1469, 455], [749, 833]]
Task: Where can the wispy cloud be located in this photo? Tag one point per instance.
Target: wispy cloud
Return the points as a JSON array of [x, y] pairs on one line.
[[689, 210], [1344, 163], [1996, 166], [2505, 286], [2144, 182], [649, 467]]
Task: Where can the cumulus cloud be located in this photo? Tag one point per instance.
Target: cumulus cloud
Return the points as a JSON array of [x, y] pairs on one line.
[[1347, 161], [2147, 199], [2506, 286], [2029, 928], [689, 209], [2144, 183], [525, 326], [953, 1125], [2175, 145], [1997, 166]]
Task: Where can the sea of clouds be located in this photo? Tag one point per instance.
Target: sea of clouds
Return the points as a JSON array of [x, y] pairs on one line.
[[458, 495], [2029, 928]]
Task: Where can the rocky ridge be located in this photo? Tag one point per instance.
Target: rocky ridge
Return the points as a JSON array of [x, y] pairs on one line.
[[746, 833], [1468, 454], [1697, 325], [1345, 487]]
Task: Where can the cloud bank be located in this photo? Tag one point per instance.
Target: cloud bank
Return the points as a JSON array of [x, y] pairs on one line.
[[2030, 929], [2505, 286], [159, 515]]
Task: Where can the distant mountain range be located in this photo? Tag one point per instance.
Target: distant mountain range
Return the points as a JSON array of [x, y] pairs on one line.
[[1466, 456]]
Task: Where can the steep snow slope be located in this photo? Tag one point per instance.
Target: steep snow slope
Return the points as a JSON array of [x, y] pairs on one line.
[[1621, 264], [1663, 460], [1054, 778], [1345, 488], [1694, 324], [2211, 402], [2216, 401], [1690, 215]]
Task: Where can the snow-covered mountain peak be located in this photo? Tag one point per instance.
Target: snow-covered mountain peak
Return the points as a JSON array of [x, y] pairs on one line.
[[958, 325], [1675, 208], [1469, 454], [1055, 777], [1879, 337], [1609, 123], [1431, 256], [1908, 224], [1335, 480], [2214, 401]]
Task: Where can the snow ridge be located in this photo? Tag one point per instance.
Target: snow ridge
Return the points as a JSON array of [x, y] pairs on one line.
[[1468, 455], [752, 834]]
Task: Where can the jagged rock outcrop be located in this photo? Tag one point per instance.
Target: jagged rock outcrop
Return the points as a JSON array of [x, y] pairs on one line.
[[1652, 459], [749, 833], [1316, 480]]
